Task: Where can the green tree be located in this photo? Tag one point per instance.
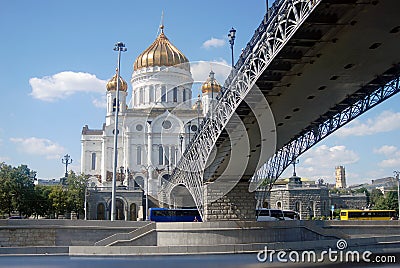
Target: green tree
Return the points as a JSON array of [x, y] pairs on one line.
[[76, 187], [22, 190], [58, 198], [389, 201], [6, 204], [16, 189], [42, 205], [376, 197]]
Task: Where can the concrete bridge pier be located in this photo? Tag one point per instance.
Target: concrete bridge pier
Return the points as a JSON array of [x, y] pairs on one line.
[[237, 204]]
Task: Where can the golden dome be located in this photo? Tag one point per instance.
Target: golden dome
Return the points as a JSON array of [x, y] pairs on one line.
[[112, 84], [161, 53], [211, 84]]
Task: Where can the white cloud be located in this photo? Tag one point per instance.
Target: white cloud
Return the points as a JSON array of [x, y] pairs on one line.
[[386, 150], [320, 161], [391, 162], [38, 146], [64, 84], [324, 156], [201, 70], [213, 42], [384, 122], [100, 102], [392, 154]]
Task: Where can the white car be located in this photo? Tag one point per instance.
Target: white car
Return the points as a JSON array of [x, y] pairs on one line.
[[266, 214]]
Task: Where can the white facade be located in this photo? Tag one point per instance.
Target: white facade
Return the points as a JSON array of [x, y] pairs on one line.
[[153, 129]]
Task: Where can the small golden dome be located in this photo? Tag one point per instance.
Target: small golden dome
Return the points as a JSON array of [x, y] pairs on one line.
[[161, 53], [211, 84], [112, 84]]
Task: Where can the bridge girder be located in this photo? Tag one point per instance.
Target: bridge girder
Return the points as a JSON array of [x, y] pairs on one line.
[[275, 49]]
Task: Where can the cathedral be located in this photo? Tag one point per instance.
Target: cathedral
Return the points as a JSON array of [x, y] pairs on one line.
[[155, 125]]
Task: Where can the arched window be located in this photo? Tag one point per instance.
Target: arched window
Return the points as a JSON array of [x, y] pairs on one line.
[[151, 94], [100, 211], [139, 155], [163, 94], [279, 205], [141, 96], [297, 206], [132, 212], [184, 94], [311, 209], [175, 94], [114, 104], [160, 155], [93, 161], [119, 207]]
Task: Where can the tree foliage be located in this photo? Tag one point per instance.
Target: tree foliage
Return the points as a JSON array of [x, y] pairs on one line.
[[384, 201], [16, 189], [76, 187], [19, 194]]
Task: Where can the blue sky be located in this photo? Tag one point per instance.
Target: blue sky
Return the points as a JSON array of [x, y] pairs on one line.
[[56, 56]]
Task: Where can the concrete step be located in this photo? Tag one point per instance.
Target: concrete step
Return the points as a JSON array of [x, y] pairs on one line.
[[127, 237]]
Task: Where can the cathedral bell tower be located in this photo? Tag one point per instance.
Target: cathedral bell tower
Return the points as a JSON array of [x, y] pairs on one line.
[[112, 95], [210, 89]]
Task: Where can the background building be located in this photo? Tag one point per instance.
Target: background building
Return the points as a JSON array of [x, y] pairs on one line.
[[340, 175], [309, 198]]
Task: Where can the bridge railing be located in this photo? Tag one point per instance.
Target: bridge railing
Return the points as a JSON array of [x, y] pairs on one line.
[[270, 16]]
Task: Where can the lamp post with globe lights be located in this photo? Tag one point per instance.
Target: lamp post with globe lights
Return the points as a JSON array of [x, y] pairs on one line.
[[232, 36], [120, 47]]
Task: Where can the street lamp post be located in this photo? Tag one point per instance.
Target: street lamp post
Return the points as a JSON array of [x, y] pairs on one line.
[[120, 47], [198, 113], [212, 87], [396, 173], [66, 161], [148, 169], [294, 163], [232, 37], [85, 205], [181, 141]]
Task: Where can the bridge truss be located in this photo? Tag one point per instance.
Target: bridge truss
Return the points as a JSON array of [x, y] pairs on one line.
[[370, 95], [272, 35]]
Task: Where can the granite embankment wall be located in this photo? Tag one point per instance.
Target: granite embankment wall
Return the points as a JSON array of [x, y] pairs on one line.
[[28, 233], [78, 237]]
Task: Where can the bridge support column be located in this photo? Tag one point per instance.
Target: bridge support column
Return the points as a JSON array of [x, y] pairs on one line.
[[238, 204]]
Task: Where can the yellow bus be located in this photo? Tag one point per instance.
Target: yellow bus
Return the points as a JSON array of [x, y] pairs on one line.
[[355, 214]]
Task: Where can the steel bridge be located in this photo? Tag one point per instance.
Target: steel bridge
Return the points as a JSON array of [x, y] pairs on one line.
[[311, 67]]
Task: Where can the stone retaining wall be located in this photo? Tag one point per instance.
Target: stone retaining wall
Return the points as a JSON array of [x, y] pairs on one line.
[[238, 204], [50, 233]]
